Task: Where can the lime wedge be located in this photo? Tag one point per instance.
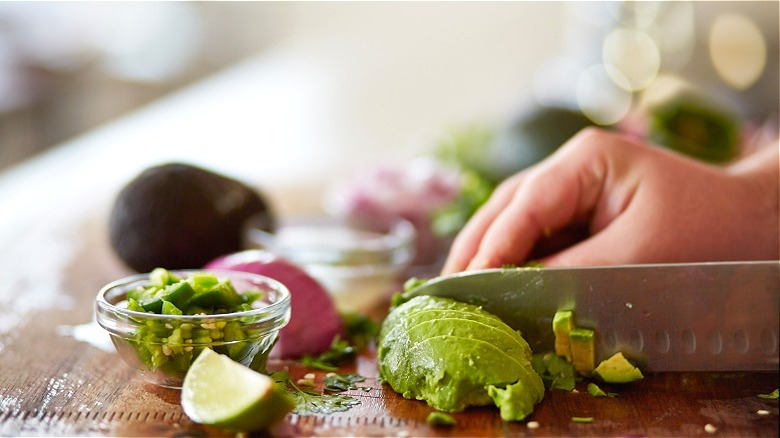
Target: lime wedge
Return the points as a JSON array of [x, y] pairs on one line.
[[220, 392]]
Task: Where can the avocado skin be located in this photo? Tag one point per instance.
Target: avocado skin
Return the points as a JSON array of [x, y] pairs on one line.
[[180, 216], [536, 133]]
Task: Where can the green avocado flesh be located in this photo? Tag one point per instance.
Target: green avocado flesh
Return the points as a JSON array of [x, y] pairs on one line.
[[617, 369], [454, 355]]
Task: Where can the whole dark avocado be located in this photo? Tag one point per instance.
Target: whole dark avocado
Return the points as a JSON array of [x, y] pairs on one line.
[[533, 135], [180, 216]]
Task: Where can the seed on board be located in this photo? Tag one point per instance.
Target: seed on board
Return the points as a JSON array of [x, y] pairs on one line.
[[710, 428], [305, 382]]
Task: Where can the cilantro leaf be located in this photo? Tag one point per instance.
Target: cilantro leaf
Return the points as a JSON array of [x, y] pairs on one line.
[[555, 371], [328, 361], [317, 363], [342, 382], [310, 402], [361, 330]]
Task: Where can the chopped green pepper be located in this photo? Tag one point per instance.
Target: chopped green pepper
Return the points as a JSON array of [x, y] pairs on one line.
[[440, 419], [171, 345]]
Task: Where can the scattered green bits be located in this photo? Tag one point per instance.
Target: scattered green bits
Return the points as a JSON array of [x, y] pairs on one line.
[[555, 371], [595, 391], [440, 419], [771, 395], [582, 419]]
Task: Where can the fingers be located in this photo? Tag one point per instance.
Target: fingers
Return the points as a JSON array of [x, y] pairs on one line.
[[550, 198], [564, 190], [604, 248], [467, 242]]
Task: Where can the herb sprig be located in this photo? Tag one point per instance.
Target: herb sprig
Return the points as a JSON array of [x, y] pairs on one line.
[[339, 350], [311, 402], [342, 382]]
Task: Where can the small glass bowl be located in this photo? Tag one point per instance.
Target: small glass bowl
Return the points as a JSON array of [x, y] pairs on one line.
[[359, 263], [162, 347]]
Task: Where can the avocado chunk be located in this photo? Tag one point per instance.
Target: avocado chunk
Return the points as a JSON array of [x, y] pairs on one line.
[[563, 323], [617, 369], [181, 216], [583, 350], [454, 355]]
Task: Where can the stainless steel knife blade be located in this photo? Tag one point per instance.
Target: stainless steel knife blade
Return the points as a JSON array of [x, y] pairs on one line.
[[720, 316]]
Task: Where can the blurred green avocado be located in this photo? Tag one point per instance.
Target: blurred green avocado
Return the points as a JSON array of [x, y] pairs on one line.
[[180, 216], [695, 127]]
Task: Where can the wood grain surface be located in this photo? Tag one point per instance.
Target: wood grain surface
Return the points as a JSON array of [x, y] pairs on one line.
[[63, 387], [54, 384]]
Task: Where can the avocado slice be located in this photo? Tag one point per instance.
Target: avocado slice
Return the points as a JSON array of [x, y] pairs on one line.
[[454, 355], [617, 369], [583, 350], [563, 323]]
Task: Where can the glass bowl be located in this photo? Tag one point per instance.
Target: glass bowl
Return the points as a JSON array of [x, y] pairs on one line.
[[162, 347], [358, 263]]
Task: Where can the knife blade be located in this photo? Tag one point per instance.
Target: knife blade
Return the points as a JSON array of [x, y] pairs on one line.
[[719, 316]]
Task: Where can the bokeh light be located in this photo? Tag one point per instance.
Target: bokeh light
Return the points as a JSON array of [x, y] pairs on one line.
[[602, 94], [675, 34], [663, 89], [634, 54], [149, 41], [552, 82], [738, 50]]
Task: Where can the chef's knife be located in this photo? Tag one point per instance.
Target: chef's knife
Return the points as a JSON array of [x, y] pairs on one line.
[[721, 316]]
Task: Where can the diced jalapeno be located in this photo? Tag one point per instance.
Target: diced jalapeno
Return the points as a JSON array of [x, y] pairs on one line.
[[169, 308], [171, 345]]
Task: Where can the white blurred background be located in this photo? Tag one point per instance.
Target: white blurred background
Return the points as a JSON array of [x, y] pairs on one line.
[[291, 96], [379, 76], [283, 93]]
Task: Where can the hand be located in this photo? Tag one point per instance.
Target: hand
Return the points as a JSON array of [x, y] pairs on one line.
[[604, 198]]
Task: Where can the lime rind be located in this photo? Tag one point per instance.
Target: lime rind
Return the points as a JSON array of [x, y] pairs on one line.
[[220, 392]]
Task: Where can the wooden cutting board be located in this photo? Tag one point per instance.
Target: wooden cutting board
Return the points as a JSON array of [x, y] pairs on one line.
[[53, 384]]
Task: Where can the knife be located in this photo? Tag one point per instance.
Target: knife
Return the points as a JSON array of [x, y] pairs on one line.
[[720, 316]]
